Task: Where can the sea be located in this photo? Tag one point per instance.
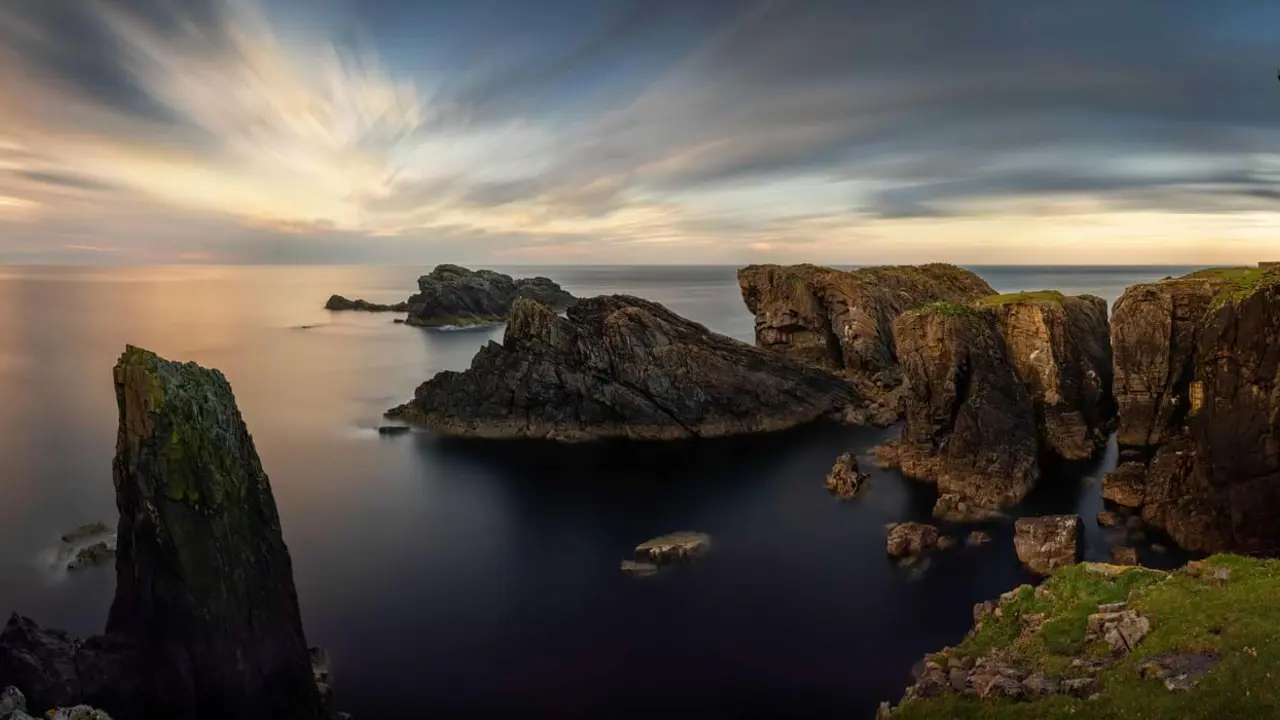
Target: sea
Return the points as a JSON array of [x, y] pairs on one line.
[[455, 579]]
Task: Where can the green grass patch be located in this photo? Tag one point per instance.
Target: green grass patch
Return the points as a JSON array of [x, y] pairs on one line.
[[947, 308], [1237, 619], [1041, 297]]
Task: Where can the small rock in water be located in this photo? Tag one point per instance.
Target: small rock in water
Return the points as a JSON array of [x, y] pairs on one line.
[[910, 539], [1159, 549], [946, 542], [673, 547], [1108, 519], [93, 555], [394, 429], [976, 538], [1124, 555], [845, 479], [84, 532], [639, 568]]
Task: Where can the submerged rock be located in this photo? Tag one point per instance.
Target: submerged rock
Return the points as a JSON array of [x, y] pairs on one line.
[[970, 423], [639, 569], [977, 538], [622, 367], [1048, 542], [337, 302], [841, 320], [845, 479], [457, 297], [670, 548]]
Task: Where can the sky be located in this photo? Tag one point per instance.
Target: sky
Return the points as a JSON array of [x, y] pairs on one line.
[[639, 131]]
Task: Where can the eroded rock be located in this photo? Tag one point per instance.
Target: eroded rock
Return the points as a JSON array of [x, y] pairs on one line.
[[339, 303], [1124, 555], [674, 547], [1049, 542], [1125, 486], [622, 367], [454, 296], [888, 455], [909, 539], [845, 479]]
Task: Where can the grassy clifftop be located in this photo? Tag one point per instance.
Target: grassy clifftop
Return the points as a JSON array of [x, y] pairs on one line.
[[1202, 642]]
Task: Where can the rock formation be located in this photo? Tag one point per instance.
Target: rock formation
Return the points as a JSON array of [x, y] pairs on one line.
[[845, 479], [454, 296], [842, 320], [910, 539], [970, 423], [205, 620], [1198, 382], [1049, 542], [622, 367], [1060, 348], [337, 302]]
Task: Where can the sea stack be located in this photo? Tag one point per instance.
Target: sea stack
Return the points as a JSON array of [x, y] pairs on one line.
[[842, 320], [454, 296], [204, 582], [620, 367], [1198, 385]]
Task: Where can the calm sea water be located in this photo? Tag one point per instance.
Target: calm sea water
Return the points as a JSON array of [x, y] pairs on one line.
[[454, 578]]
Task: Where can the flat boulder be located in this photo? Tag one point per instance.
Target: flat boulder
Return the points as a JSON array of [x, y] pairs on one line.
[[620, 367], [454, 296], [675, 547], [1046, 543], [1125, 486]]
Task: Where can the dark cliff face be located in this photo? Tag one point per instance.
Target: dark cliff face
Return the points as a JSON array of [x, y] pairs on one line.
[[1213, 433], [843, 320], [453, 295], [970, 422], [622, 367], [204, 581]]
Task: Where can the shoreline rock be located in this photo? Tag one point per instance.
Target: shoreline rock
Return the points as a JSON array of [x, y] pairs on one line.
[[454, 296], [845, 479], [620, 367], [1046, 543]]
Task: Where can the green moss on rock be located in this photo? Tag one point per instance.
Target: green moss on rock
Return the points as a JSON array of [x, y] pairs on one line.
[[1038, 297]]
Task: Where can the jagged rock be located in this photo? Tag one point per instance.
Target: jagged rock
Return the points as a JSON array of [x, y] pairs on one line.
[[976, 538], [1061, 349], [87, 546], [11, 700], [99, 553], [454, 296], [41, 661], [673, 547], [1124, 487], [1048, 542], [337, 302], [1108, 519], [86, 532], [204, 581], [1122, 630], [888, 455], [1124, 555], [954, 508], [1038, 686], [911, 539], [622, 367], [841, 320], [1079, 687], [1031, 623], [845, 479], [970, 424], [79, 712]]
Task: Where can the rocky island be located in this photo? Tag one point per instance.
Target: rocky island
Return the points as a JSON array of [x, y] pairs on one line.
[[339, 303], [842, 320], [454, 296], [205, 620], [1198, 385], [620, 367]]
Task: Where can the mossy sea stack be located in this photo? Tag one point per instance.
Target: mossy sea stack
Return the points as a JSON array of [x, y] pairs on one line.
[[204, 581]]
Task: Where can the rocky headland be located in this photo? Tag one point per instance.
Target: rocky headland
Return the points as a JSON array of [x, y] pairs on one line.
[[620, 367], [842, 321], [453, 296], [1197, 364], [205, 620]]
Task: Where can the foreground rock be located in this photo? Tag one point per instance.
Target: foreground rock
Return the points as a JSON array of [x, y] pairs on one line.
[[453, 296], [1046, 543], [205, 620], [337, 302], [674, 547], [622, 367], [1198, 380], [911, 539], [841, 320], [970, 423], [846, 479]]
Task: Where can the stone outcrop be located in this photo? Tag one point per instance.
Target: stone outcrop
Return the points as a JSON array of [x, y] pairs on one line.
[[909, 539], [622, 367], [970, 423], [205, 620], [673, 547], [454, 296], [337, 302], [843, 320], [1049, 542], [1198, 381], [1060, 347], [845, 479]]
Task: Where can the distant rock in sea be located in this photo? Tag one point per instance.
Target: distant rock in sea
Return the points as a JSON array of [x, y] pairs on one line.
[[453, 296], [626, 368], [337, 302]]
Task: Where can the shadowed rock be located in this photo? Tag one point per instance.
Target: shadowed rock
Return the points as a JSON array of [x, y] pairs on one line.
[[843, 320], [454, 296], [845, 479], [337, 302], [622, 367], [1046, 543]]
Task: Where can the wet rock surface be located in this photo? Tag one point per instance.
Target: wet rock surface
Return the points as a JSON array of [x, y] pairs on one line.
[[653, 555], [845, 479], [623, 368], [454, 296], [842, 320], [910, 539], [1048, 542]]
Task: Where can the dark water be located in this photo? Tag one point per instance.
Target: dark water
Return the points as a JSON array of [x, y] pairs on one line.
[[456, 577]]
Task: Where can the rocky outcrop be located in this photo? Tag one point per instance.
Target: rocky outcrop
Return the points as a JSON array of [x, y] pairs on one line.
[[845, 479], [1060, 347], [454, 296], [205, 620], [622, 367], [909, 539], [843, 320], [337, 302], [1049, 542], [970, 423], [1199, 390]]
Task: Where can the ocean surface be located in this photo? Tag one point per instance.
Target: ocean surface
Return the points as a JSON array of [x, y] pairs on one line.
[[452, 578]]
